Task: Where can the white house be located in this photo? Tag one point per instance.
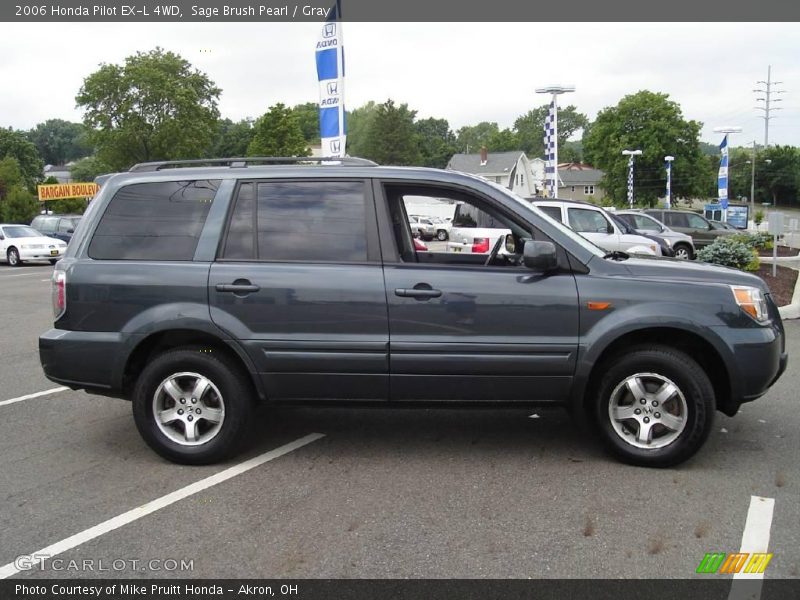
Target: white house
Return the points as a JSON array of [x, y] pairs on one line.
[[512, 170]]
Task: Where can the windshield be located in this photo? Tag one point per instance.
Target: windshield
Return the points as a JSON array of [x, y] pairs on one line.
[[551, 221], [21, 231]]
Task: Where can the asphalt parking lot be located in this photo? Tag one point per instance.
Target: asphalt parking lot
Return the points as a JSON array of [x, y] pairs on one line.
[[383, 493]]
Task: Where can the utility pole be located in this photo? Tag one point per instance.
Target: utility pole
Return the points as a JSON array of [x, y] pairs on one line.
[[768, 100]]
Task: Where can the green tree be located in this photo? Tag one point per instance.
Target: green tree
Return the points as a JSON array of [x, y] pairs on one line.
[[530, 128], [308, 118], [359, 122], [18, 206], [154, 107], [59, 141], [232, 138], [86, 169], [503, 141], [17, 145], [437, 143], [391, 137], [654, 124], [278, 133], [780, 178], [10, 175], [471, 138]]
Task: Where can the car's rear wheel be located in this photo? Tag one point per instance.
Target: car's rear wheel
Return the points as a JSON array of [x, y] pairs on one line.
[[193, 406], [12, 255], [683, 252], [441, 235], [654, 406]]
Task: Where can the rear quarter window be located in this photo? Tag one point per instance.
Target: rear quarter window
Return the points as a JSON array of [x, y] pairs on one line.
[[154, 221]]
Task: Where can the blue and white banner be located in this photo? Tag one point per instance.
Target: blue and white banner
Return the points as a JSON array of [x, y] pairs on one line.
[[330, 74], [668, 200], [550, 166], [722, 178]]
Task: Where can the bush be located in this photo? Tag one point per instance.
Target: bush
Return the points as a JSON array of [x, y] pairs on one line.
[[755, 241], [758, 218], [729, 252], [19, 206]]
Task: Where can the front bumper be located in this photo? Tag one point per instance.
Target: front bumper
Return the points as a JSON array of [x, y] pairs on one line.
[[45, 253]]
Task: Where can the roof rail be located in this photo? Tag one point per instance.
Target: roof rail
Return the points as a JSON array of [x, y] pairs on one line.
[[245, 161]]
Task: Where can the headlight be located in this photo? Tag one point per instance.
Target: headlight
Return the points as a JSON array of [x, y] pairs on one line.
[[752, 301], [654, 248]]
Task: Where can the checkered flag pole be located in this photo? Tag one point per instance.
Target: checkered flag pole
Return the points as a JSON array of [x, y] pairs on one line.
[[550, 133], [630, 181]]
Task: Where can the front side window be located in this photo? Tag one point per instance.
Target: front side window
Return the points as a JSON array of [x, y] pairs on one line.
[[154, 221], [584, 220], [674, 219]]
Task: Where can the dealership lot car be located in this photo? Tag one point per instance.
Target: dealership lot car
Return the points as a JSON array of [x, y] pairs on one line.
[[197, 289], [19, 243], [60, 227], [681, 244], [698, 227]]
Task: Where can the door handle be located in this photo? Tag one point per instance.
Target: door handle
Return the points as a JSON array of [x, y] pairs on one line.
[[237, 288], [419, 294]]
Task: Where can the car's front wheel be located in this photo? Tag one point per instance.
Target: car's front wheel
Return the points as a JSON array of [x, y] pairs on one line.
[[654, 406], [13, 257], [683, 252], [193, 406], [441, 235]]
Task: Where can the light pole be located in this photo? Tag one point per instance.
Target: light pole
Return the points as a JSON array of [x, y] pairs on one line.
[[668, 203], [630, 154], [722, 177], [551, 135]]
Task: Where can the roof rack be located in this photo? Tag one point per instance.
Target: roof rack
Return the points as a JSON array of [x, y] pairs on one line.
[[243, 162]]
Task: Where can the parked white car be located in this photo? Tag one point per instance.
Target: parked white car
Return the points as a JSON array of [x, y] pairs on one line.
[[474, 231], [422, 227], [593, 223], [19, 243], [442, 228]]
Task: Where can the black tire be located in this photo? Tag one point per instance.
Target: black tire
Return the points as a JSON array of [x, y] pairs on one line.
[[441, 235], [685, 250], [691, 381], [233, 385], [12, 256]]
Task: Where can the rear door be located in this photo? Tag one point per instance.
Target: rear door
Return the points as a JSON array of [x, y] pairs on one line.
[[298, 282]]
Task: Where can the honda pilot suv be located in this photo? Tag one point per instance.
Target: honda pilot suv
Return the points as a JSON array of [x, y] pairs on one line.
[[200, 289]]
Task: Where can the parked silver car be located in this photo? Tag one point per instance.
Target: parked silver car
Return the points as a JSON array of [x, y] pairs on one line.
[[681, 244]]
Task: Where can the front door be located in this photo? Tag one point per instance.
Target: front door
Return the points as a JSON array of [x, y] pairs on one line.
[[299, 284], [461, 330]]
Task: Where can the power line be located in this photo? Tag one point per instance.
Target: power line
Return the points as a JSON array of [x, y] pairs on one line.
[[767, 99]]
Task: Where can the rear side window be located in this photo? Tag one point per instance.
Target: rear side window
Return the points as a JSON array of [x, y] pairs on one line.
[[674, 219], [45, 224], [554, 212], [312, 221], [154, 221], [644, 223]]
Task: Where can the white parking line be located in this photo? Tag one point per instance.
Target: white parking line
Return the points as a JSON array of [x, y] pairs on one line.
[[145, 509], [36, 395], [19, 275], [755, 539]]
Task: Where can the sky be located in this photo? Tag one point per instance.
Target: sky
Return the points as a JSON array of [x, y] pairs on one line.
[[464, 72]]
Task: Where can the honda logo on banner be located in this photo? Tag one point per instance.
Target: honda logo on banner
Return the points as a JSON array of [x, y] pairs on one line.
[[333, 88], [330, 75], [336, 146], [329, 30]]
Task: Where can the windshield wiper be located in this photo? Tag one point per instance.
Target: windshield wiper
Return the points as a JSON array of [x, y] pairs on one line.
[[617, 255]]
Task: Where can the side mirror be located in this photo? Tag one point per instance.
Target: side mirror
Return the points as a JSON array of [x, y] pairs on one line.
[[70, 230], [510, 244], [609, 228], [540, 256]]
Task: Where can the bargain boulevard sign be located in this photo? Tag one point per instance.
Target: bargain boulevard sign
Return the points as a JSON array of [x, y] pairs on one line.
[[60, 191]]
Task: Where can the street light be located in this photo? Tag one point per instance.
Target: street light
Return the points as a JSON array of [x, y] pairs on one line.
[[722, 178], [669, 160], [551, 167], [630, 154]]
